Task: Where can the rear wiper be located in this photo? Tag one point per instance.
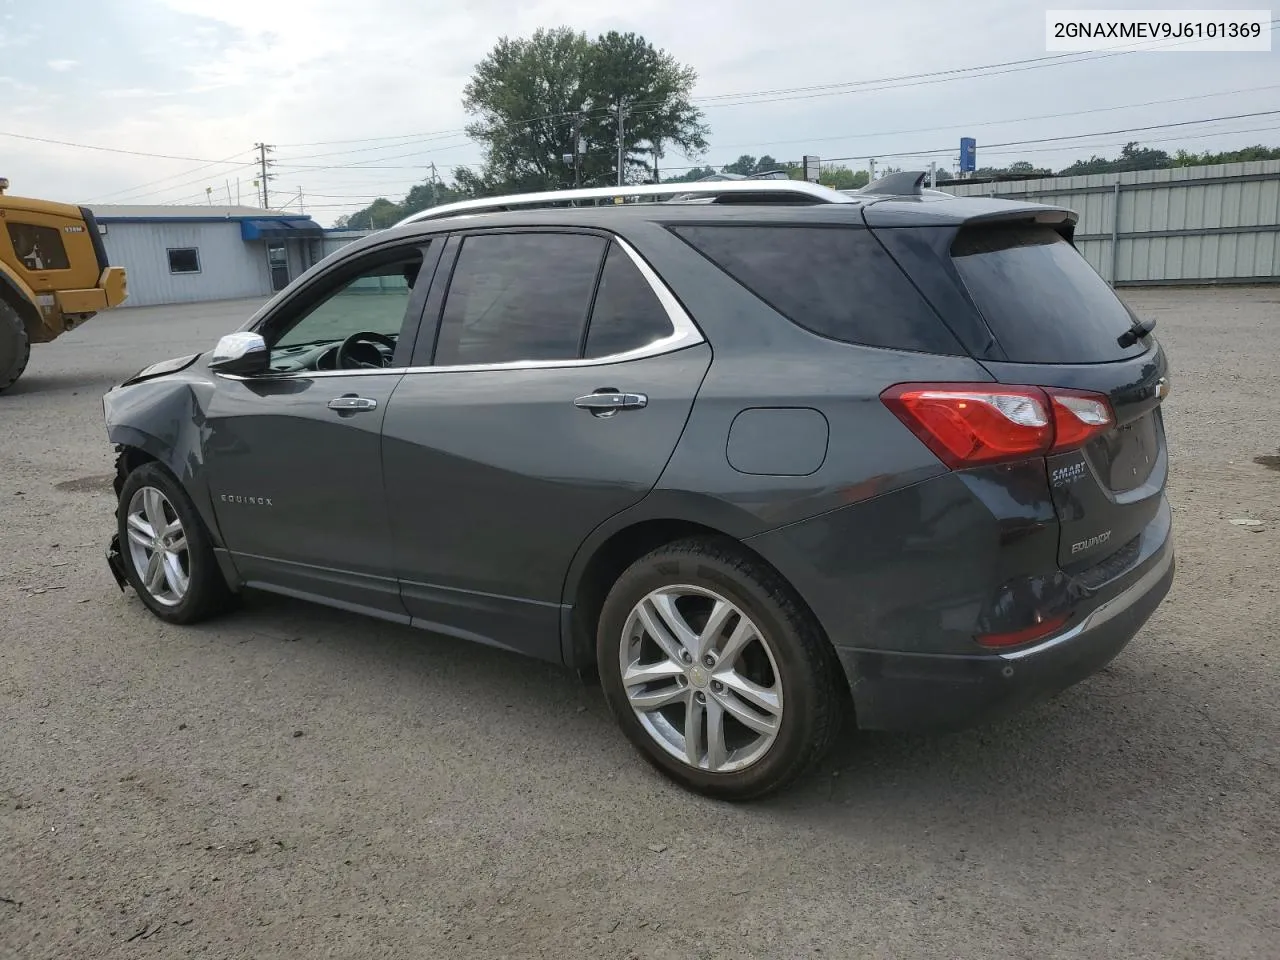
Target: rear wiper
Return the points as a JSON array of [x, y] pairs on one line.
[[1140, 329]]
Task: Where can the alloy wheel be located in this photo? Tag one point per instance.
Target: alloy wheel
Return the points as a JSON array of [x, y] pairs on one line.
[[701, 678], [158, 546]]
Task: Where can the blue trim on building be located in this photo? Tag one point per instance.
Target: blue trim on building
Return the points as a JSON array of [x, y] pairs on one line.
[[279, 228]]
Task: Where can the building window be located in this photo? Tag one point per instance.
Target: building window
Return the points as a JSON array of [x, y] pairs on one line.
[[184, 260]]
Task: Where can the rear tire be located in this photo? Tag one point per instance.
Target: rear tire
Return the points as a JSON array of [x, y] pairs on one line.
[[15, 345], [167, 553], [749, 661]]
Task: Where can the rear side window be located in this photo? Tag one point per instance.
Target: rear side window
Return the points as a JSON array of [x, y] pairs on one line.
[[627, 314], [39, 248], [519, 296], [837, 282], [1041, 299]]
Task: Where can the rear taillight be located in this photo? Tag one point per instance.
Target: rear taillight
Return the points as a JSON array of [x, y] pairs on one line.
[[971, 424], [1078, 417]]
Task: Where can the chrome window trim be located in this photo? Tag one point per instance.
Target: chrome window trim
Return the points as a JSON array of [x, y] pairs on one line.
[[685, 333]]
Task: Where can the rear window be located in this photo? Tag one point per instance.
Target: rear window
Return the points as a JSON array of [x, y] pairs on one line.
[[1041, 299], [837, 282]]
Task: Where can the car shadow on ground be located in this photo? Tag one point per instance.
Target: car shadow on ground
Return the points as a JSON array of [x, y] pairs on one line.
[[1138, 736]]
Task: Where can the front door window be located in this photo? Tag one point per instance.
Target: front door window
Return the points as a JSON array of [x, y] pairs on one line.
[[372, 303]]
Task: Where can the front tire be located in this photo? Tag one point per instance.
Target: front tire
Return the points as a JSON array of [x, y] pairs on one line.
[[716, 671], [167, 553], [15, 345]]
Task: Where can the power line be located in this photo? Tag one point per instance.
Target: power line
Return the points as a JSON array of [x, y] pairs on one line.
[[91, 146], [782, 94], [1086, 146], [173, 176], [988, 149], [994, 123], [1078, 136], [135, 197]]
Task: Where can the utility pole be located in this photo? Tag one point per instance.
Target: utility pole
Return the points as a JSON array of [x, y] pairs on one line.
[[434, 177], [263, 149], [577, 150], [872, 175], [622, 148], [933, 174]]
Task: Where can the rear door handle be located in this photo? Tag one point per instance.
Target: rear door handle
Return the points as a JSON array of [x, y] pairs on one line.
[[606, 403], [352, 404]]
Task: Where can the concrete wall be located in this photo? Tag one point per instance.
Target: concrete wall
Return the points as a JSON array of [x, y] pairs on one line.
[[1214, 224]]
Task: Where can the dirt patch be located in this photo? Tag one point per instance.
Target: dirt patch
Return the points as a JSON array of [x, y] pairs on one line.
[[1270, 462], [87, 484]]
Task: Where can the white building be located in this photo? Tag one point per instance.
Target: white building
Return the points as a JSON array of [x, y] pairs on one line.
[[185, 254]]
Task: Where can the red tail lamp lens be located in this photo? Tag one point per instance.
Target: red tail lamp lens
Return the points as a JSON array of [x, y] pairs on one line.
[[1016, 638], [970, 424], [1078, 418]]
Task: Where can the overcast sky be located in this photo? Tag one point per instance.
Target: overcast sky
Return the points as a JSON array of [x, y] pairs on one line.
[[203, 80]]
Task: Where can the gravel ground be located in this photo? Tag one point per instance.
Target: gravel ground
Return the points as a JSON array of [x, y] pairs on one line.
[[296, 782]]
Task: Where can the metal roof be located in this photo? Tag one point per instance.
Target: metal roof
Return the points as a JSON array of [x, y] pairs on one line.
[[155, 211]]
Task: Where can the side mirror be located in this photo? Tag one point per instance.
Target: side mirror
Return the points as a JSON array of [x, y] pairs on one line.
[[241, 354]]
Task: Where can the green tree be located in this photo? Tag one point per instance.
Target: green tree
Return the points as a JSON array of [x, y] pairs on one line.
[[1132, 157], [383, 213], [842, 178], [379, 215], [1185, 159], [1019, 168], [690, 175], [530, 95], [429, 194]]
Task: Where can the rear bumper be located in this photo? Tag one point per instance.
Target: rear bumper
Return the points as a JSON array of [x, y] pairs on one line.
[[906, 691]]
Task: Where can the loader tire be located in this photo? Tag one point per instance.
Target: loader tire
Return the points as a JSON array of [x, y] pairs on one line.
[[15, 345]]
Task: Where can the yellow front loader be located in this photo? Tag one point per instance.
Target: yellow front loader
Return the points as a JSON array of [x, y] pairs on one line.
[[54, 276]]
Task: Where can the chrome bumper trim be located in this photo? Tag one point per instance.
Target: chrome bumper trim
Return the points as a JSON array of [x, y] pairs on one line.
[[1106, 612]]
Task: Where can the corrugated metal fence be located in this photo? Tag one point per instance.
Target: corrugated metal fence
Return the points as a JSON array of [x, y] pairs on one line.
[[1190, 225]]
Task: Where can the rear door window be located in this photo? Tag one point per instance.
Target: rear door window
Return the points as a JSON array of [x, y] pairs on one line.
[[519, 296], [1041, 299], [837, 282], [627, 314]]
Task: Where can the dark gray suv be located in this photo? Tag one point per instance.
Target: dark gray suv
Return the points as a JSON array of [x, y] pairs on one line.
[[762, 460]]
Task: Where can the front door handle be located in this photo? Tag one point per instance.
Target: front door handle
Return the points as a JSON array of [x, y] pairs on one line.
[[352, 404], [606, 403]]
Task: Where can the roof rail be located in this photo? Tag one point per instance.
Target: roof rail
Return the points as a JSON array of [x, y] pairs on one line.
[[802, 190]]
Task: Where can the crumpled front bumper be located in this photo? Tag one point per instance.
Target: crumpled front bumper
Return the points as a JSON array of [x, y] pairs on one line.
[[115, 561]]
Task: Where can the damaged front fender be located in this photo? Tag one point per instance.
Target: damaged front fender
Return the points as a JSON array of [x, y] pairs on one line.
[[164, 418]]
